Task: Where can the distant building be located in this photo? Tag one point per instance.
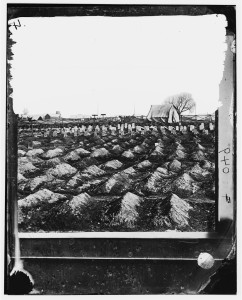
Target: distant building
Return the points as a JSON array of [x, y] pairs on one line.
[[37, 117], [24, 117], [163, 113], [55, 116], [52, 117]]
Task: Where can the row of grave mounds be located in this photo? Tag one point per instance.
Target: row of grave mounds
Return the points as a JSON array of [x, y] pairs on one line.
[[91, 162], [110, 183], [147, 141], [125, 140], [129, 212], [121, 182], [103, 155]]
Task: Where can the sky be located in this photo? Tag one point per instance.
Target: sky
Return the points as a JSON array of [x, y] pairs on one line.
[[116, 65]]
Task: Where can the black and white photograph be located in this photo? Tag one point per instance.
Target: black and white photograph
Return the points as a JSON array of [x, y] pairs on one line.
[[120, 125], [116, 128]]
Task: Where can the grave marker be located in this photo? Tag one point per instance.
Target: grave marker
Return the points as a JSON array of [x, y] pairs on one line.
[[211, 126], [192, 127], [201, 127]]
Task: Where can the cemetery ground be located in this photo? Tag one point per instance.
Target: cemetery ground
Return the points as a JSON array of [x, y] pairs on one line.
[[152, 180]]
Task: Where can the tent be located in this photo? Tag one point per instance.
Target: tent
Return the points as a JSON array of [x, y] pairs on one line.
[[173, 115], [163, 113]]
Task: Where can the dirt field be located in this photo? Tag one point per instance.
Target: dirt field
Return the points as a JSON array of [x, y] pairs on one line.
[[152, 181]]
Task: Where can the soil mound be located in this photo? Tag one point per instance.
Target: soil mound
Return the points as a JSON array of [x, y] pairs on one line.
[[74, 181], [86, 162], [82, 152], [100, 153], [128, 154], [200, 174], [53, 153], [199, 147], [128, 212], [179, 154], [198, 155], [52, 162], [21, 153], [139, 149], [56, 142], [117, 149], [118, 184], [36, 161], [35, 152], [113, 165], [179, 147], [62, 170], [114, 141], [39, 197], [185, 186], [160, 143], [144, 164], [91, 185], [163, 172], [71, 156], [172, 213], [157, 153], [156, 180], [27, 168], [21, 178], [37, 182], [179, 212], [22, 147], [56, 185], [207, 165], [175, 165], [92, 171], [36, 143], [79, 201]]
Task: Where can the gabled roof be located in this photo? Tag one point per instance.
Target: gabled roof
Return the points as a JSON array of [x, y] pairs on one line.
[[158, 111], [163, 112]]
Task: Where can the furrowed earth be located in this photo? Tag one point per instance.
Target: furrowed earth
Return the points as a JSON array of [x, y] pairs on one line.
[[154, 181]]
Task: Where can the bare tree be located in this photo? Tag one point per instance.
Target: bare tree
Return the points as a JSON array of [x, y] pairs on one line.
[[182, 102]]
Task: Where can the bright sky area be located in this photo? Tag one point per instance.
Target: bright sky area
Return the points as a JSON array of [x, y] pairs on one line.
[[117, 66]]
